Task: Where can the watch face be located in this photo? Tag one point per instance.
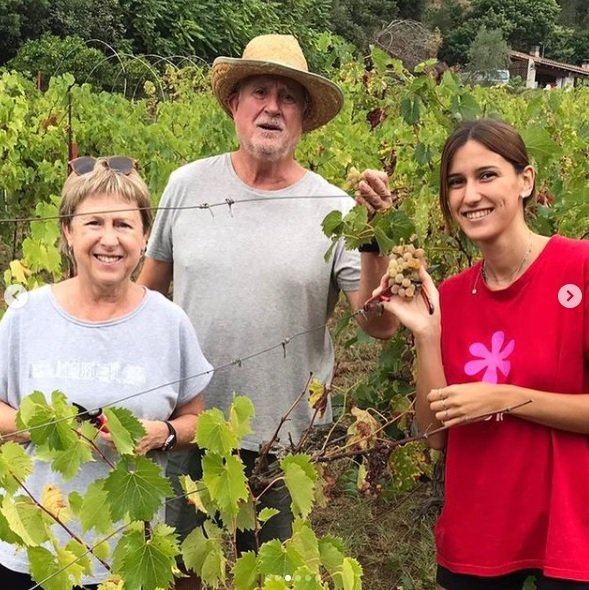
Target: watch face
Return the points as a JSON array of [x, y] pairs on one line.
[[169, 443]]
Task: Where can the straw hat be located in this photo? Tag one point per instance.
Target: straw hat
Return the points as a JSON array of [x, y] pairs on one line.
[[278, 55]]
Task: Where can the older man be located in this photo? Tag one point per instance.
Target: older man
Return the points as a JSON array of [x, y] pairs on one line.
[[254, 274]]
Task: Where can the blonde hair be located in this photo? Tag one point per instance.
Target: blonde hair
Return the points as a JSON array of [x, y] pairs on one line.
[[103, 180]]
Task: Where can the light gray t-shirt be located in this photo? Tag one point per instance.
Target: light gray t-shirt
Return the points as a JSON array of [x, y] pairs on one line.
[[250, 276], [44, 348]]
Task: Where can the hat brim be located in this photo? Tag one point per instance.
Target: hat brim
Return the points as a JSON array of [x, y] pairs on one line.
[[326, 97]]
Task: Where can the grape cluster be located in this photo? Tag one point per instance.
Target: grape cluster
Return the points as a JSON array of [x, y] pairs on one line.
[[404, 264], [354, 177]]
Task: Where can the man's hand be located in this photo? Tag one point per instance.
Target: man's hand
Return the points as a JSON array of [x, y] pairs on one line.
[[373, 191]]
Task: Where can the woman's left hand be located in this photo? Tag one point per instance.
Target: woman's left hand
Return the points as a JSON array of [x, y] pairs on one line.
[[155, 437], [455, 404]]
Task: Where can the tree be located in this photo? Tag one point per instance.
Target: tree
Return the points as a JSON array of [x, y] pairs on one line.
[[489, 51], [20, 20], [524, 23], [358, 20]]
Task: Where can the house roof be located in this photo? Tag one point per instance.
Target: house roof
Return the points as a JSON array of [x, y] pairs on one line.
[[519, 55]]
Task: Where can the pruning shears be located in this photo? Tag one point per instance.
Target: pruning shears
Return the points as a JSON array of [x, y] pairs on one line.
[[95, 416]]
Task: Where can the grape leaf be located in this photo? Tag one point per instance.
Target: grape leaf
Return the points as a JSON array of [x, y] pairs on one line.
[[68, 462], [53, 500], [25, 519], [306, 579], [113, 582], [95, 511], [214, 434], [225, 480], [43, 564], [204, 555], [350, 574], [299, 476], [125, 429], [240, 415], [318, 396], [146, 563], [246, 515], [196, 494], [136, 487], [245, 574], [332, 224], [304, 543], [273, 559], [49, 426], [275, 583], [14, 461], [74, 559], [411, 110], [267, 513], [331, 551], [6, 533]]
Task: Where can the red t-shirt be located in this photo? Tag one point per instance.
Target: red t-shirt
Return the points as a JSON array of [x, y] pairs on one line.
[[517, 493]]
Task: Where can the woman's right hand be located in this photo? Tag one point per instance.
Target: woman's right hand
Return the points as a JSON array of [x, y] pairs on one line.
[[415, 314]]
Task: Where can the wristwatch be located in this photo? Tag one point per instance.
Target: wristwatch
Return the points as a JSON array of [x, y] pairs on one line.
[[171, 439]]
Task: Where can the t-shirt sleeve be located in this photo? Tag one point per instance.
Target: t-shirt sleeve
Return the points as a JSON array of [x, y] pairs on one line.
[[160, 240], [196, 371], [346, 268]]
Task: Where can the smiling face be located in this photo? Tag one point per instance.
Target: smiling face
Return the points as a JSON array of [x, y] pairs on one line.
[[106, 239], [484, 191], [268, 113]]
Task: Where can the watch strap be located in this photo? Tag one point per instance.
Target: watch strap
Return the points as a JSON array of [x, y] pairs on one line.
[[171, 439]]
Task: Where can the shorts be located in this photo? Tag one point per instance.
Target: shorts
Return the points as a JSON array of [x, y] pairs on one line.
[[514, 581], [185, 518]]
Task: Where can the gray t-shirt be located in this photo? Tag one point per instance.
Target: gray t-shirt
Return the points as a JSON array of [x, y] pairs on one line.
[[250, 276], [94, 364]]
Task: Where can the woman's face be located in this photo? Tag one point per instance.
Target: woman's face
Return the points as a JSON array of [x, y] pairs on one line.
[[107, 240], [485, 191]]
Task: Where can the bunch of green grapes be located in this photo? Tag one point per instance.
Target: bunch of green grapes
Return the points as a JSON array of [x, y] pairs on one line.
[[353, 178], [404, 264]]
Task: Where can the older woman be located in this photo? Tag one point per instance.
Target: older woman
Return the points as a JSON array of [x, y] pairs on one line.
[[99, 337], [509, 339]]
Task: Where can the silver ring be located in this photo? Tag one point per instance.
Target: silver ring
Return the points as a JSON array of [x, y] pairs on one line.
[[444, 405]]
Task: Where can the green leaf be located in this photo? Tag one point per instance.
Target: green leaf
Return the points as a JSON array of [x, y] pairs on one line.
[[49, 425], [14, 462], [332, 555], [246, 515], [226, 481], [275, 583], [411, 110], [423, 154], [273, 559], [332, 223], [306, 579], [351, 574], [74, 558], [303, 547], [136, 487], [214, 434], [240, 414], [146, 563], [540, 143], [43, 564], [204, 555], [267, 513], [300, 476], [95, 510], [68, 462], [125, 428], [6, 532], [25, 519], [245, 574]]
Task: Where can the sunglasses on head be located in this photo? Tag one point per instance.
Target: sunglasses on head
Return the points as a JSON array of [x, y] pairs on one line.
[[85, 164]]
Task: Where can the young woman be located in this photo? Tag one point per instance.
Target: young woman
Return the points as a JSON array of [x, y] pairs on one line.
[[509, 339], [100, 338]]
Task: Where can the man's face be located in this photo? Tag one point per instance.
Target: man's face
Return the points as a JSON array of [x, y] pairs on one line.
[[268, 114]]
